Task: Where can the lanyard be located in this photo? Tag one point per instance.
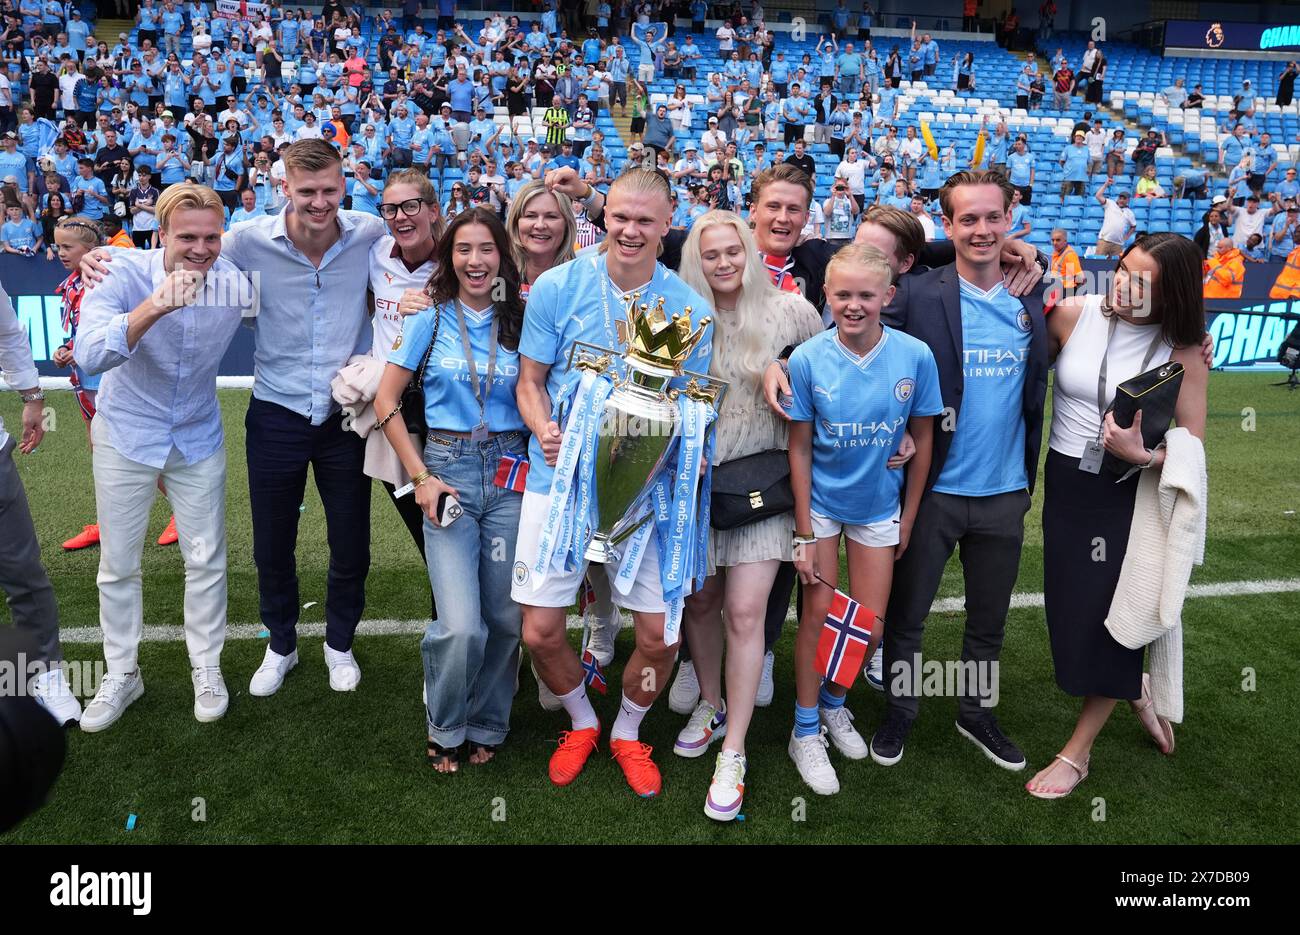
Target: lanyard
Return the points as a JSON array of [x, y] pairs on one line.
[[480, 396], [611, 332], [1105, 360]]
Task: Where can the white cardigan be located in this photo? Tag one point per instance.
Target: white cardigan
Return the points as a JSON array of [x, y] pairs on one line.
[[355, 386], [1166, 539]]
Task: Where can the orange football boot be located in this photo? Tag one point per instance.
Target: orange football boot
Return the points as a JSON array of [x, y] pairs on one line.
[[639, 770], [169, 536], [571, 755], [88, 536]]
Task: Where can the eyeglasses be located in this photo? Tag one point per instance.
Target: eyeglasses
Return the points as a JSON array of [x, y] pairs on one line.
[[411, 207]]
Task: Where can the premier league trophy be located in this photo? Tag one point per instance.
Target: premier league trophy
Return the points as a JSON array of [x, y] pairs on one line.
[[642, 420]]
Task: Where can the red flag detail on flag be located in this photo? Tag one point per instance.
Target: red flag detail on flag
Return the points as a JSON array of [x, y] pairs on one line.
[[512, 472], [842, 647]]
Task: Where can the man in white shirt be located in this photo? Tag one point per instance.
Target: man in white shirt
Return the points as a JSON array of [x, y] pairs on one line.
[[157, 329], [853, 170], [919, 212], [1096, 141], [22, 576], [1118, 224], [712, 140], [1247, 221], [726, 39], [690, 170]]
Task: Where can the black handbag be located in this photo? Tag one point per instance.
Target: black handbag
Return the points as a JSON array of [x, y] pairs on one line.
[[412, 401], [751, 488], [1155, 394]]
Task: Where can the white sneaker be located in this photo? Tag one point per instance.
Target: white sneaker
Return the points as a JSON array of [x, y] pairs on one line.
[[874, 670], [210, 696], [116, 692], [545, 697], [838, 723], [601, 632], [345, 674], [685, 693], [270, 674], [727, 790], [52, 692], [765, 686], [810, 758], [706, 725]]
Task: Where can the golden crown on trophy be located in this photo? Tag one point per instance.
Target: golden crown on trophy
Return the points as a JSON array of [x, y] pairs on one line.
[[657, 340]]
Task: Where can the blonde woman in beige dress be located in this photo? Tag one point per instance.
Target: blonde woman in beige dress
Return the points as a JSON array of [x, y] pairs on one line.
[[753, 321]]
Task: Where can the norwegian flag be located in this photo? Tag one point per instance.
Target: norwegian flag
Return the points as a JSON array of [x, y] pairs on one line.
[[512, 472], [586, 595], [592, 673], [842, 647]]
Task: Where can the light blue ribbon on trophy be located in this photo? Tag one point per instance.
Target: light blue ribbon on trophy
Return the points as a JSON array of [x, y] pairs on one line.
[[679, 520], [566, 528]]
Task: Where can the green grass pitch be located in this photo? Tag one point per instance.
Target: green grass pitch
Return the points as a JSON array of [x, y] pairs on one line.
[[309, 765]]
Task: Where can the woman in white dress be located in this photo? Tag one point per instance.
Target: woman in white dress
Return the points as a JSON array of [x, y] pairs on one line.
[[753, 321], [401, 264]]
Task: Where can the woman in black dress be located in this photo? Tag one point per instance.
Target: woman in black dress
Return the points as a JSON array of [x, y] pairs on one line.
[[1286, 84], [1153, 313], [1095, 85], [517, 91]]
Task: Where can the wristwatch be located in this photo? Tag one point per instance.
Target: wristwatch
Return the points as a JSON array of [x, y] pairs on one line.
[[33, 397]]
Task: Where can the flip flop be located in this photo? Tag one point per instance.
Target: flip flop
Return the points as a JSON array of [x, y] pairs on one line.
[[481, 747], [1081, 771], [1161, 731], [443, 756]]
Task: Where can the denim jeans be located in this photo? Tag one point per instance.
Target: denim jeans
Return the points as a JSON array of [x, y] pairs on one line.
[[471, 651]]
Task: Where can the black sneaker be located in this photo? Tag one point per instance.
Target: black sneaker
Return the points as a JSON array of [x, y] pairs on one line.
[[984, 732], [887, 742]]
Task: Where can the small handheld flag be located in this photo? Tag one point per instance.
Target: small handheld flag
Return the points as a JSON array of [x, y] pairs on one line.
[[842, 647], [586, 595], [512, 472], [592, 673]]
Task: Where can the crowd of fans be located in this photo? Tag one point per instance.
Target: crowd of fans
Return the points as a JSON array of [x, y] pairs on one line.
[[100, 131]]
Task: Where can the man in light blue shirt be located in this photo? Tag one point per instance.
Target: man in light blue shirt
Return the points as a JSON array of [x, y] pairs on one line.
[[307, 328], [157, 329]]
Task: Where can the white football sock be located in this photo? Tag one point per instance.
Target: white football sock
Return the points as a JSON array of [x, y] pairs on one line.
[[579, 707], [628, 724]]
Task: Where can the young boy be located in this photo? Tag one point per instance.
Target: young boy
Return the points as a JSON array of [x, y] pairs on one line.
[[20, 234], [856, 389]]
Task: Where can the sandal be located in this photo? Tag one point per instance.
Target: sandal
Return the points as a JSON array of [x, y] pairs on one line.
[[476, 748], [1161, 731], [444, 756], [1082, 772]]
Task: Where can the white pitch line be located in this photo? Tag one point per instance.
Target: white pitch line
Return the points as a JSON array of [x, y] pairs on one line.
[[250, 631]]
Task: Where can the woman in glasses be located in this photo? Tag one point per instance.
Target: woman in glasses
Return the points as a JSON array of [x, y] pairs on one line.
[[401, 263], [476, 442]]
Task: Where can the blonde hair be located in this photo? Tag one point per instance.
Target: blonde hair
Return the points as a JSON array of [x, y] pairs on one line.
[[861, 256], [187, 196], [756, 291], [428, 194], [638, 181], [527, 193], [311, 156], [81, 228]]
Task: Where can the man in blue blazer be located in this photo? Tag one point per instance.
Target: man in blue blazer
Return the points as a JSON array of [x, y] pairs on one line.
[[992, 354]]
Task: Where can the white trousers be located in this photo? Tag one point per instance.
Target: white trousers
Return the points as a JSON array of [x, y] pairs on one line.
[[124, 493]]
